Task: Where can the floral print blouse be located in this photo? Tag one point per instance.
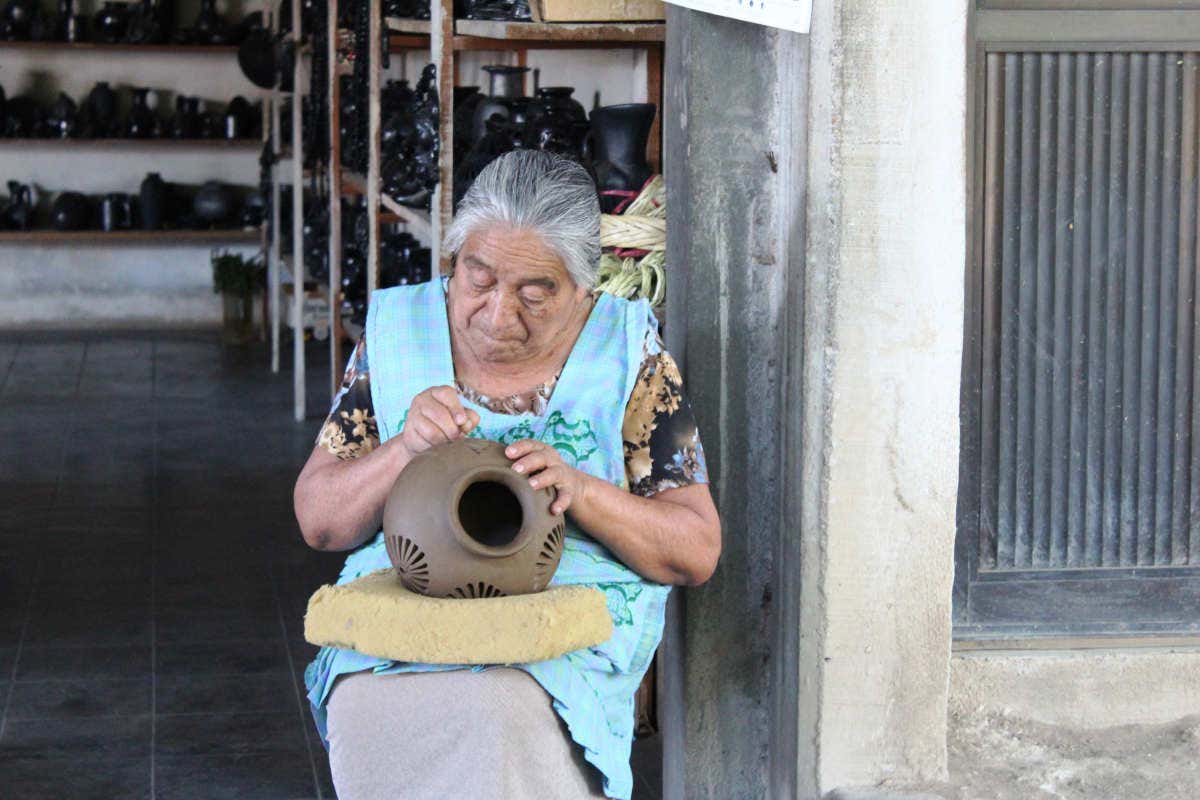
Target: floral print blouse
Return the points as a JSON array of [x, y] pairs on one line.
[[662, 445]]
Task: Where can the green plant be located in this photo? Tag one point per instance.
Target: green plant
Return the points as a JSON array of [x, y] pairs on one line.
[[237, 275]]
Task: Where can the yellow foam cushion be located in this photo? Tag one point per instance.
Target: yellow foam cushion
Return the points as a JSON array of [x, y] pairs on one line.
[[376, 615]]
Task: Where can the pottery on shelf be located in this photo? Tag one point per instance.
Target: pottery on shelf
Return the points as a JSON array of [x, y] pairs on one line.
[[460, 523], [505, 84], [209, 27], [213, 204], [63, 120], [19, 19], [141, 122], [116, 212], [17, 213], [152, 201], [22, 117], [185, 124], [100, 110], [70, 212], [147, 23], [619, 136], [110, 22], [62, 23]]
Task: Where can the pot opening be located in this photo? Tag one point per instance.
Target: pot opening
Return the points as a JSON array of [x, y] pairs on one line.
[[490, 513]]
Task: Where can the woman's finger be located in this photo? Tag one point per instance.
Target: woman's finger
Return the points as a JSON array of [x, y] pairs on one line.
[[439, 415], [562, 502], [533, 462], [554, 475], [448, 397], [427, 432], [524, 447]]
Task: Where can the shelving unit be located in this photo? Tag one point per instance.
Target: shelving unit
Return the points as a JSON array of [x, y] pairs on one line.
[[449, 37], [445, 38], [276, 261]]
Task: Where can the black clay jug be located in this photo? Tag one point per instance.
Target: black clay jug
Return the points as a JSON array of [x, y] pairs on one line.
[[505, 84], [619, 136], [17, 213], [101, 109], [152, 201], [70, 212], [110, 22], [213, 203], [141, 123]]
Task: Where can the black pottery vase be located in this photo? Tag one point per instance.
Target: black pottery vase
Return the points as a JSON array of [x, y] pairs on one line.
[[100, 107], [209, 28], [213, 203], [110, 22], [619, 136], [62, 23], [70, 212], [186, 122], [17, 213], [63, 121], [506, 84], [141, 123], [147, 24], [17, 20], [152, 201]]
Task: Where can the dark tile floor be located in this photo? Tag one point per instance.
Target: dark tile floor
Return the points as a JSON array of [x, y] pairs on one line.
[[152, 579]]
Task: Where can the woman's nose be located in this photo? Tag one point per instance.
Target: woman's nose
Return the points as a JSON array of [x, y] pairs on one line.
[[505, 310]]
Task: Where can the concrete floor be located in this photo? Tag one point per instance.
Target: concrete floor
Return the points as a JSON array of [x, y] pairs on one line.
[[152, 578]]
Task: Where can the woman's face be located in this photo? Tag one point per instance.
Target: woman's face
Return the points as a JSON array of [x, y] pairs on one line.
[[511, 298]]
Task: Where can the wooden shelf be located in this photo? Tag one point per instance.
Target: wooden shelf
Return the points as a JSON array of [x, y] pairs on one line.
[[137, 144], [404, 34], [157, 238], [158, 49], [471, 34], [401, 25]]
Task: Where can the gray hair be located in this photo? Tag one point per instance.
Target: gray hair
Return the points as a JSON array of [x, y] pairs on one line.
[[545, 193]]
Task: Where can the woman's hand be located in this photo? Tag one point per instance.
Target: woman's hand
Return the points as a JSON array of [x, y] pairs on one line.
[[435, 417], [546, 468]]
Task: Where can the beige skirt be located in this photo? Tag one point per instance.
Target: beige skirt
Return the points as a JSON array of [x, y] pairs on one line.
[[457, 734]]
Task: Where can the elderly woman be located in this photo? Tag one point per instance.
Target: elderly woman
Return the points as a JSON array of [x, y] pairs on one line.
[[513, 346]]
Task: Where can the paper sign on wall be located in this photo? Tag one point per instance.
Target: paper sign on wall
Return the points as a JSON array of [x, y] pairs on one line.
[[791, 15]]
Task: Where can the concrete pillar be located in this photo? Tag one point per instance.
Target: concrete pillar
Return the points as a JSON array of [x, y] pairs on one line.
[[886, 258], [817, 250]]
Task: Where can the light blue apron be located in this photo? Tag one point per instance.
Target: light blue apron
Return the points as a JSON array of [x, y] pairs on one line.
[[408, 342]]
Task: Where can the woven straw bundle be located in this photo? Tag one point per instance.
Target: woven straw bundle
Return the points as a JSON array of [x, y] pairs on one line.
[[635, 243]]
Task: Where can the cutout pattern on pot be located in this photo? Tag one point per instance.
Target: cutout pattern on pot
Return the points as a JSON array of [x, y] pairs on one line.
[[547, 560], [476, 590], [411, 564]]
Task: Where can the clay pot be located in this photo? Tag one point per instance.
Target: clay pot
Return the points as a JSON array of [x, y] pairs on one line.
[[71, 212], [619, 137], [152, 201], [116, 212], [460, 523], [213, 203], [17, 213], [110, 22], [101, 110], [63, 120], [146, 24], [141, 123]]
